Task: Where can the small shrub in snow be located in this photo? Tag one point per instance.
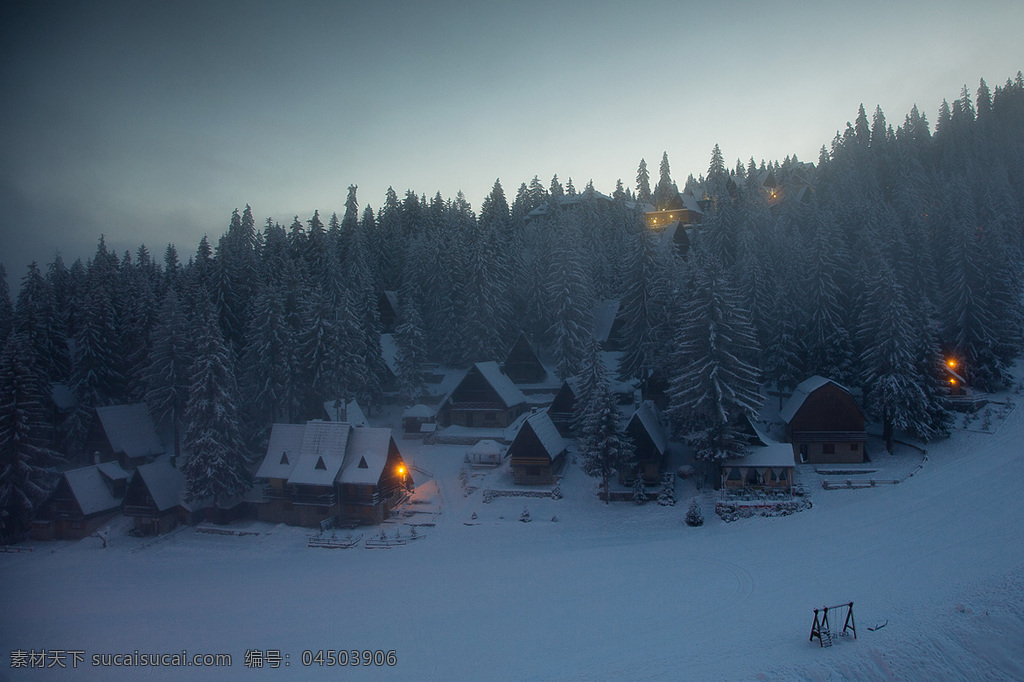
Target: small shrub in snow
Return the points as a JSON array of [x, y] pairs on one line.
[[473, 516], [525, 516], [694, 516], [986, 418], [554, 518], [639, 491], [556, 492], [667, 496], [488, 496]]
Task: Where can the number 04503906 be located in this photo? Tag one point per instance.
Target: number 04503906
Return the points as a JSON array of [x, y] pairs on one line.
[[349, 657]]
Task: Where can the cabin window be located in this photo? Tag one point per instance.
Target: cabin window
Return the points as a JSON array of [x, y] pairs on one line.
[[828, 448], [284, 458], [803, 453], [320, 464], [734, 475], [490, 417], [533, 471], [855, 446]]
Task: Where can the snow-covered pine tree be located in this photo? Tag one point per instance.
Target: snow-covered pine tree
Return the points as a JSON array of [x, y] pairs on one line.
[[26, 474], [665, 190], [829, 351], [36, 317], [643, 183], [412, 350], [667, 494], [639, 489], [694, 515], [166, 377], [6, 308], [604, 446], [216, 466], [570, 300], [644, 308], [893, 393], [713, 380]]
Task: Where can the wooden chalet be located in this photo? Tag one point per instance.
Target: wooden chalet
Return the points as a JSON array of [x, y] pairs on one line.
[[522, 365], [153, 499], [331, 470], [85, 499], [683, 208], [484, 398], [567, 202], [537, 452], [562, 409], [124, 433], [768, 464], [959, 394], [387, 309], [415, 418], [608, 324], [650, 443], [824, 423], [347, 411]]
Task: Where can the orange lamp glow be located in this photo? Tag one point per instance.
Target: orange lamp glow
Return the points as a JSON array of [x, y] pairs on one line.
[[953, 381], [401, 470], [951, 362]]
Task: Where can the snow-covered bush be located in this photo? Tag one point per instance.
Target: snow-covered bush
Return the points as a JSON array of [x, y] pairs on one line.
[[525, 516], [694, 516], [556, 492], [667, 496], [639, 491]]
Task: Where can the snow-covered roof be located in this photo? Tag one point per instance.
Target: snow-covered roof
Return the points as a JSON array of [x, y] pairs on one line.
[[774, 454], [321, 454], [546, 433], [91, 490], [604, 318], [800, 394], [389, 350], [352, 413], [418, 411], [502, 385], [282, 451], [130, 430], [392, 297], [113, 471], [647, 416], [565, 200], [164, 482], [366, 456], [485, 447]]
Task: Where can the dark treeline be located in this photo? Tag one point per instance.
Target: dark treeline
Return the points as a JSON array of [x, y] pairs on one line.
[[899, 246]]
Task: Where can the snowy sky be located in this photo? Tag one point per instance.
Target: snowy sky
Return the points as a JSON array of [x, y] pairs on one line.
[[151, 122]]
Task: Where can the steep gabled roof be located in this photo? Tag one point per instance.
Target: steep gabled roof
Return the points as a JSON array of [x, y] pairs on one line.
[[282, 451], [805, 389], [321, 454], [542, 426], [647, 417], [366, 456], [604, 318], [91, 491], [164, 483], [389, 351], [130, 430], [507, 392], [351, 413]]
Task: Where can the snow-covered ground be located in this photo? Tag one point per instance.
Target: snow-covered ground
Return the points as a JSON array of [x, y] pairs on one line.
[[604, 592]]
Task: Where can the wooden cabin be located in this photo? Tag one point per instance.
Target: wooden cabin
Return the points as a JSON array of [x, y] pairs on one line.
[[124, 433], [522, 365], [347, 411], [153, 499], [959, 394], [824, 423], [562, 409], [85, 499], [608, 322], [650, 443], [682, 208], [331, 470], [484, 398], [537, 452], [415, 418]]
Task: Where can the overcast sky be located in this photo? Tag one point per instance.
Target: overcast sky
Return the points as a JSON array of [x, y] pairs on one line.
[[151, 122]]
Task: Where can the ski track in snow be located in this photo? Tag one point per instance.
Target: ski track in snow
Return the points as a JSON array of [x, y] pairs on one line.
[[608, 592]]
